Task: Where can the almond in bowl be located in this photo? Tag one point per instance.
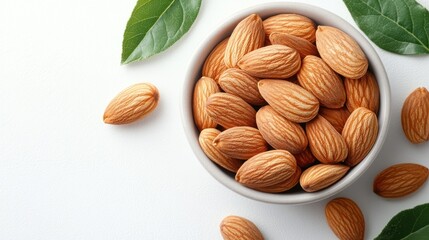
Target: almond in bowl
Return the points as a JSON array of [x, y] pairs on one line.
[[296, 114]]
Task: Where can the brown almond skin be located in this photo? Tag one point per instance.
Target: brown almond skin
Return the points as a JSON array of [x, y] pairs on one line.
[[241, 142], [415, 116], [289, 100], [360, 133], [202, 91], [400, 180], [284, 186], [206, 142], [274, 61], [237, 82], [267, 169], [362, 92], [215, 64], [303, 46], [133, 103], [247, 36], [321, 176], [345, 219], [319, 79], [279, 132], [235, 227], [305, 158], [326, 144], [336, 117], [294, 24], [341, 52], [230, 111]]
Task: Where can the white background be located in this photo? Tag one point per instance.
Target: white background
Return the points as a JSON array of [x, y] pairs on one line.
[[64, 174]]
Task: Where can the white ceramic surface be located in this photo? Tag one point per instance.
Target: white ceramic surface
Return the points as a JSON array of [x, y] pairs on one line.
[[321, 17]]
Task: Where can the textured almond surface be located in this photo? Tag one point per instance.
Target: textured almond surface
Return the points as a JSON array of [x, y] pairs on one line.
[[202, 91], [336, 117], [415, 116], [345, 219], [133, 103], [286, 185], [215, 64], [239, 228], [206, 142], [400, 180], [241, 84], [362, 92], [360, 133], [247, 36], [289, 100], [341, 52], [321, 176], [294, 24], [241, 142], [305, 158], [326, 144], [230, 111], [319, 79], [303, 46], [279, 132], [267, 169], [274, 61]]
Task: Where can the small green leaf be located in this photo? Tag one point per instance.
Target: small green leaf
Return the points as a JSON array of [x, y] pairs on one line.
[[410, 224], [155, 25], [399, 26]]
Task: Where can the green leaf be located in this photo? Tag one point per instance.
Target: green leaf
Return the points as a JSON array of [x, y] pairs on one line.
[[409, 224], [399, 26], [155, 25]]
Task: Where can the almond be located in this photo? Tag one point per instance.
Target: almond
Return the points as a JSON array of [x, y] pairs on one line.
[[202, 91], [362, 92], [301, 45], [326, 144], [305, 158], [267, 169], [341, 52], [336, 117], [215, 64], [289, 100], [286, 185], [321, 176], [345, 219], [235, 227], [415, 116], [360, 133], [241, 84], [400, 180], [293, 24], [319, 79], [279, 132], [230, 111], [206, 142], [247, 36], [240, 142], [274, 61], [133, 103]]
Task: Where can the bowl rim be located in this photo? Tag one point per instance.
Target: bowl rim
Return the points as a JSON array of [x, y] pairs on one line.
[[193, 73]]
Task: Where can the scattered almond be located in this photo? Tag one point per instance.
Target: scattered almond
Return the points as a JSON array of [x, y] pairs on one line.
[[239, 228], [345, 219], [132, 104], [202, 91], [360, 133], [294, 24], [215, 64], [400, 180], [415, 116], [362, 92], [241, 142], [321, 176]]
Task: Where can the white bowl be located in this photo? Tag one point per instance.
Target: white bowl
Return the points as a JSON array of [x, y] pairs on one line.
[[319, 16]]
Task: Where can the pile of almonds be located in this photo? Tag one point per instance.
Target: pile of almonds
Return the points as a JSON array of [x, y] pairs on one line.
[[283, 101]]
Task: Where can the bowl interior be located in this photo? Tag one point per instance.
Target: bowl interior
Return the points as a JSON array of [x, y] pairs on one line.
[[320, 17]]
